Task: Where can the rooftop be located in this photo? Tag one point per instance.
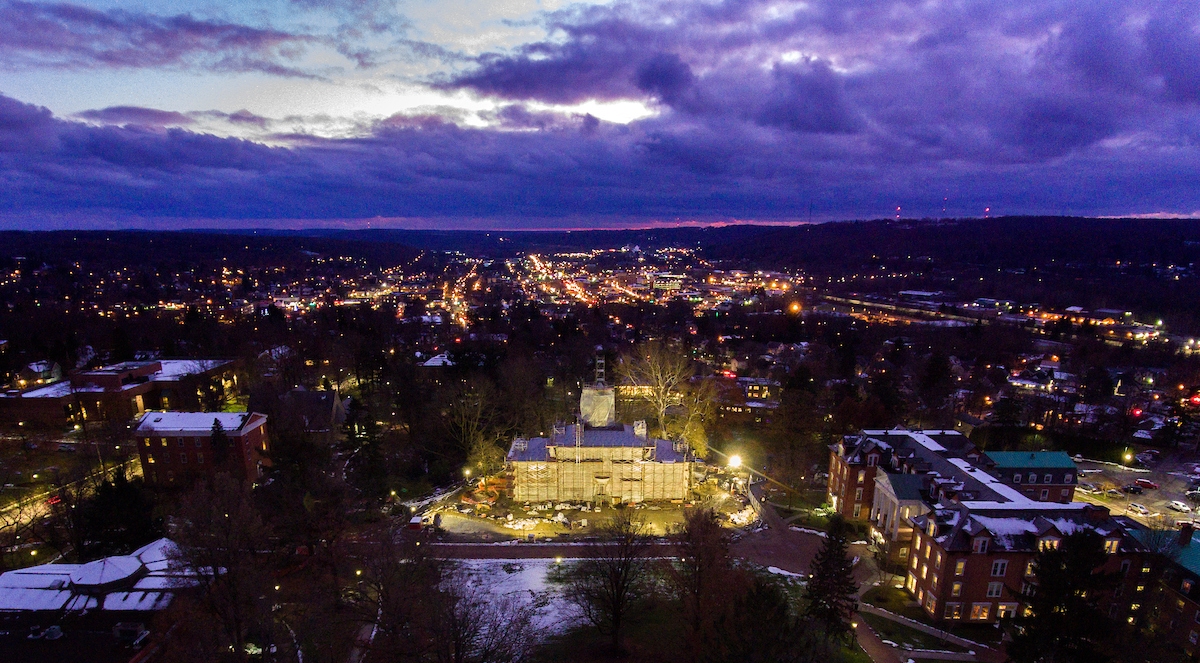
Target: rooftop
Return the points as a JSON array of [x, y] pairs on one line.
[[1032, 459], [196, 422]]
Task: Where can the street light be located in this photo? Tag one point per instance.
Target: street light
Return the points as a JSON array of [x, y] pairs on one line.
[[467, 472], [735, 461]]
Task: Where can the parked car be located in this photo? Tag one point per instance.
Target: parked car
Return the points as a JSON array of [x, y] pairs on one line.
[[1193, 496], [1179, 506], [1146, 483], [1113, 492], [1088, 488], [1134, 507], [1132, 489]]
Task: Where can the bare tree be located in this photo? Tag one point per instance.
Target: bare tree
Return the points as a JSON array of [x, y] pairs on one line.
[[610, 580], [471, 417], [702, 577], [658, 373], [219, 537], [426, 610]]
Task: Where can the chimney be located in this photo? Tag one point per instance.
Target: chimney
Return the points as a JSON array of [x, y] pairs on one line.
[[1185, 534]]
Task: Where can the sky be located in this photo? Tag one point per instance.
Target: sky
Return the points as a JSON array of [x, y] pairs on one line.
[[545, 114]]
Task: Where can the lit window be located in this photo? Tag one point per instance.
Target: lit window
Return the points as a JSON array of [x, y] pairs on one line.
[[956, 589], [960, 567], [953, 611], [980, 610], [862, 476], [1048, 544], [939, 559], [1030, 567], [924, 571]]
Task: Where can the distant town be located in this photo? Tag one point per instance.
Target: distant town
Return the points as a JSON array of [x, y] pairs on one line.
[[430, 447]]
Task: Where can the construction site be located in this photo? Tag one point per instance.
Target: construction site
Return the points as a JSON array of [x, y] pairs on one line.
[[597, 460]]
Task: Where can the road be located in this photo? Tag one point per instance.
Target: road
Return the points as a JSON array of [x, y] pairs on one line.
[[34, 507]]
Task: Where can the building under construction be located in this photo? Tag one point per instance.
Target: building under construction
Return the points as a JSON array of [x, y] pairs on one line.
[[597, 459]]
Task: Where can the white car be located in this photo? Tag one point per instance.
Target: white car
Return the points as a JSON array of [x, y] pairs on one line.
[[1179, 506], [1134, 507]]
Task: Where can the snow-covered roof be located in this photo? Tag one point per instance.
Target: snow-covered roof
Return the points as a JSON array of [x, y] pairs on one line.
[[438, 360], [143, 580], [197, 422]]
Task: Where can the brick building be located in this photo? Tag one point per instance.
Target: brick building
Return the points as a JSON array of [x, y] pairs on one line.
[[970, 567], [1046, 476], [122, 391], [964, 525], [177, 448]]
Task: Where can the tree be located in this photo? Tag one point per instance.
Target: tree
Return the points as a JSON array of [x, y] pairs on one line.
[[116, 519], [702, 576], [609, 581], [758, 626], [219, 537], [1065, 623], [425, 609], [659, 372], [831, 592], [220, 444]]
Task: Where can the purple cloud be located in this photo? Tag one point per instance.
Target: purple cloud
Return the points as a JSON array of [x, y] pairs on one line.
[[136, 115], [74, 37], [765, 110]]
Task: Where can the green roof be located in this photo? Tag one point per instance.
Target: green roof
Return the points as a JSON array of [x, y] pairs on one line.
[[1031, 459]]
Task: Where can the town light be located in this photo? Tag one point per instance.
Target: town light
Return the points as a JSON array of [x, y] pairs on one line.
[[735, 461]]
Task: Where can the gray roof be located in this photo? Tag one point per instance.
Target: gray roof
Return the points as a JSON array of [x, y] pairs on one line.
[[906, 486], [617, 436]]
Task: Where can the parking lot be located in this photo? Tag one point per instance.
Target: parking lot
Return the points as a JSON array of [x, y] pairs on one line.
[[1171, 472]]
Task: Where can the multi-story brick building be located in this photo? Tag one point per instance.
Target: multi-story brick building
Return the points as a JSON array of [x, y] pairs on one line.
[[961, 523], [970, 567], [1178, 589], [177, 448], [1046, 476], [122, 391]]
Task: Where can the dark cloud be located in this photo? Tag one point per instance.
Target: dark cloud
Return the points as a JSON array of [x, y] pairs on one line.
[[75, 37], [136, 115], [764, 110]]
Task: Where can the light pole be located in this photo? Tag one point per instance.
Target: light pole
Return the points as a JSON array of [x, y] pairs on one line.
[[735, 464]]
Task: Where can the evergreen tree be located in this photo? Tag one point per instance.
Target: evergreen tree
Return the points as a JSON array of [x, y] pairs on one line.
[[1065, 623], [219, 441], [831, 589]]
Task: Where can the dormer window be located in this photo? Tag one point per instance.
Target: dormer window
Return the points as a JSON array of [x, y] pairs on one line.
[[1048, 479], [1016, 478], [931, 530], [980, 545], [1032, 477]]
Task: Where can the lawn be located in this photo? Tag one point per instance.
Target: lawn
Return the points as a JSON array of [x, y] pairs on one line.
[[904, 635]]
